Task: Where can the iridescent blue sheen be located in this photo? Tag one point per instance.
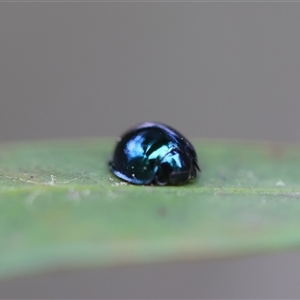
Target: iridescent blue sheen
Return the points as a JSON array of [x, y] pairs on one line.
[[154, 153]]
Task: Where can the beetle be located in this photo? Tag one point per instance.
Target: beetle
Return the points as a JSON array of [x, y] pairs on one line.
[[154, 153]]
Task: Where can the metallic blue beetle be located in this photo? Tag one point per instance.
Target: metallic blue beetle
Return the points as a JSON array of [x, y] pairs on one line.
[[154, 153]]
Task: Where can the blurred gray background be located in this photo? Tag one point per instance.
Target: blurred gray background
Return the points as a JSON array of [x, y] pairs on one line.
[[213, 70], [219, 70]]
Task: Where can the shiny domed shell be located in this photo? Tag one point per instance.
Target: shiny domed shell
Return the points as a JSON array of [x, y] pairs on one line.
[[154, 153]]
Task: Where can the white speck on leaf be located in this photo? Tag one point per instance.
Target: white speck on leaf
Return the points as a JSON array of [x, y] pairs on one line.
[[52, 182], [280, 183]]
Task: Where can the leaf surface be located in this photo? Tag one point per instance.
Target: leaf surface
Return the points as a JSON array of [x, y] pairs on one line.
[[61, 208]]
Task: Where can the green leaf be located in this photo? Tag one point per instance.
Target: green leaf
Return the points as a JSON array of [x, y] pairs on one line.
[[61, 208]]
